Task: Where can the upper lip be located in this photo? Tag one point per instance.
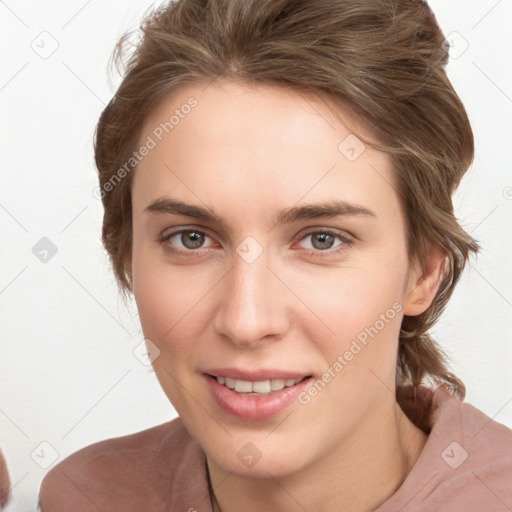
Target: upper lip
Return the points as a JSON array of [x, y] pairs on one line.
[[255, 375]]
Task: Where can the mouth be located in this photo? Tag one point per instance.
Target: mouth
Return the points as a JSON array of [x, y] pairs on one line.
[[257, 388], [255, 398]]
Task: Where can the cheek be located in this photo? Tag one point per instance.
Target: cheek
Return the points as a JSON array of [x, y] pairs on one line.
[[350, 299], [174, 304], [358, 315], [172, 316]]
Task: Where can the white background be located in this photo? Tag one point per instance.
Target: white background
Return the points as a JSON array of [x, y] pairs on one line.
[[68, 375]]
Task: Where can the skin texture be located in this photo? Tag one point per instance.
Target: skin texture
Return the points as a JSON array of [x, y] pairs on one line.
[[247, 152]]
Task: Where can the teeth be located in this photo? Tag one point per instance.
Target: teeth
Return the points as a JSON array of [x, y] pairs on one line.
[[243, 386], [277, 384], [263, 387]]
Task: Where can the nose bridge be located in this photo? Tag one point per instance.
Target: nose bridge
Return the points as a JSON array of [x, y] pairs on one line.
[[252, 305]]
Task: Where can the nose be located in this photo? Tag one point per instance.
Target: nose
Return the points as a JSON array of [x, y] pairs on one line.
[[253, 304]]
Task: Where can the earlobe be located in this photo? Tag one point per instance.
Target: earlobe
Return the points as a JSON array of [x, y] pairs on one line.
[[424, 283]]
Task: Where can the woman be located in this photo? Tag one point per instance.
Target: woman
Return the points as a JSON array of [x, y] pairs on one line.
[[277, 180]]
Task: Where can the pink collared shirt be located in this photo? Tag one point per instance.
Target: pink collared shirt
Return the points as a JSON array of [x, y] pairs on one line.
[[465, 466]]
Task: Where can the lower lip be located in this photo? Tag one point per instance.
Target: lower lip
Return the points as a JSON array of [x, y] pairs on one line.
[[251, 407]]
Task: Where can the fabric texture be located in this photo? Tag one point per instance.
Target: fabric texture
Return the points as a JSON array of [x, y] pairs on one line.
[[466, 465]]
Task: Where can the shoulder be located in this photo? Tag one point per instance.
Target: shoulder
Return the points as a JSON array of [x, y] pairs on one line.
[[484, 442], [465, 465], [475, 457], [129, 473]]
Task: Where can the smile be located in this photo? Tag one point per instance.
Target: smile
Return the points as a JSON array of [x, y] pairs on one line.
[[256, 399], [257, 388]]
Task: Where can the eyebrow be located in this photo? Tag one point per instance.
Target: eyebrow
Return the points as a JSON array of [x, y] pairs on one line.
[[294, 214]]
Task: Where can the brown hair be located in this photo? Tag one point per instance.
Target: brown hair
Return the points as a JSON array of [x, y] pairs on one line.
[[381, 60]]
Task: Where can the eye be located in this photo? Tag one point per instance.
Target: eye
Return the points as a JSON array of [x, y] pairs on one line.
[[325, 240], [184, 240], [190, 239]]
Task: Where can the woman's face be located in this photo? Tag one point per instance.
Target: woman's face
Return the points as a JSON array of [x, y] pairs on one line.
[[268, 246]]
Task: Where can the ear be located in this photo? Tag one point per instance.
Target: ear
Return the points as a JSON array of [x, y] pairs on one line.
[[424, 283]]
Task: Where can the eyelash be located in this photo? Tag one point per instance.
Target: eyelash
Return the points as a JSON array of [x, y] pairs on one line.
[[346, 242]]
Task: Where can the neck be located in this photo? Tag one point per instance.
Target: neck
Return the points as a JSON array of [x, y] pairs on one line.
[[361, 474]]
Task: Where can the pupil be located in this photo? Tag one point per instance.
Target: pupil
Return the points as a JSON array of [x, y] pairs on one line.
[[192, 239], [325, 241]]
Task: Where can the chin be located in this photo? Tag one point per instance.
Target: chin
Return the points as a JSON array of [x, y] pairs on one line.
[[258, 456]]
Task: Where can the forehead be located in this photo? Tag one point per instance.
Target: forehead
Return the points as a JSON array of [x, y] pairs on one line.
[[265, 142]]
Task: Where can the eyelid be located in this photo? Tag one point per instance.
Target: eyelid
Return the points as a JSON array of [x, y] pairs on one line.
[[325, 229]]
